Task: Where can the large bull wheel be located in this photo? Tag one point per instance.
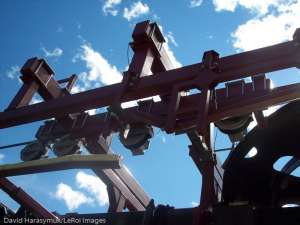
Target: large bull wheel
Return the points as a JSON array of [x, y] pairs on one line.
[[254, 180]]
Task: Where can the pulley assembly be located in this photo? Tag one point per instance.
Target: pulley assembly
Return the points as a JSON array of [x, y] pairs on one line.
[[33, 151], [66, 145], [136, 137], [235, 127]]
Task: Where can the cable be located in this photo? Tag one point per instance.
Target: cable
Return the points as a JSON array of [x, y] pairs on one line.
[[223, 149], [15, 145], [215, 137]]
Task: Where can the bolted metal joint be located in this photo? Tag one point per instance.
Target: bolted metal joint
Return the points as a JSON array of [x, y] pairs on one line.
[[144, 31], [235, 127], [210, 60], [133, 78], [115, 111], [136, 137], [37, 69]]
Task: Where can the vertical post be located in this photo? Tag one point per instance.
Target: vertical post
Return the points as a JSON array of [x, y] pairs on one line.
[[211, 172], [202, 125], [172, 109]]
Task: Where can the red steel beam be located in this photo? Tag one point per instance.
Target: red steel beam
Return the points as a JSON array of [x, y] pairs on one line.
[[136, 198], [268, 59], [274, 97], [189, 106], [25, 200]]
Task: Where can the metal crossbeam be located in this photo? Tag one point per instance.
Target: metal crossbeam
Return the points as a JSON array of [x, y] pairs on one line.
[[94, 161], [268, 59]]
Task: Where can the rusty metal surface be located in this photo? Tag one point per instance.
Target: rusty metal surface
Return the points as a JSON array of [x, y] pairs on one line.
[[210, 169], [151, 73], [186, 113], [254, 179], [268, 59]]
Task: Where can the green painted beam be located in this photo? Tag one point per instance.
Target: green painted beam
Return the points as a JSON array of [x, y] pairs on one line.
[[92, 161]]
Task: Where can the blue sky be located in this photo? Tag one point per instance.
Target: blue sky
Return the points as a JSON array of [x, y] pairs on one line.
[[90, 38]]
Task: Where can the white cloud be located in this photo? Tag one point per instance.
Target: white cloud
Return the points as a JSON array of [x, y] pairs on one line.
[[72, 198], [195, 3], [137, 9], [36, 99], [194, 204], [77, 88], [1, 156], [256, 6], [109, 7], [56, 52], [170, 36], [170, 53], [272, 28], [13, 72], [228, 5], [94, 186], [172, 57], [100, 71]]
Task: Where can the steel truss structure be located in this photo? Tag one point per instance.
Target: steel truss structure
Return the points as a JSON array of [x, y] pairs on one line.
[[224, 195]]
